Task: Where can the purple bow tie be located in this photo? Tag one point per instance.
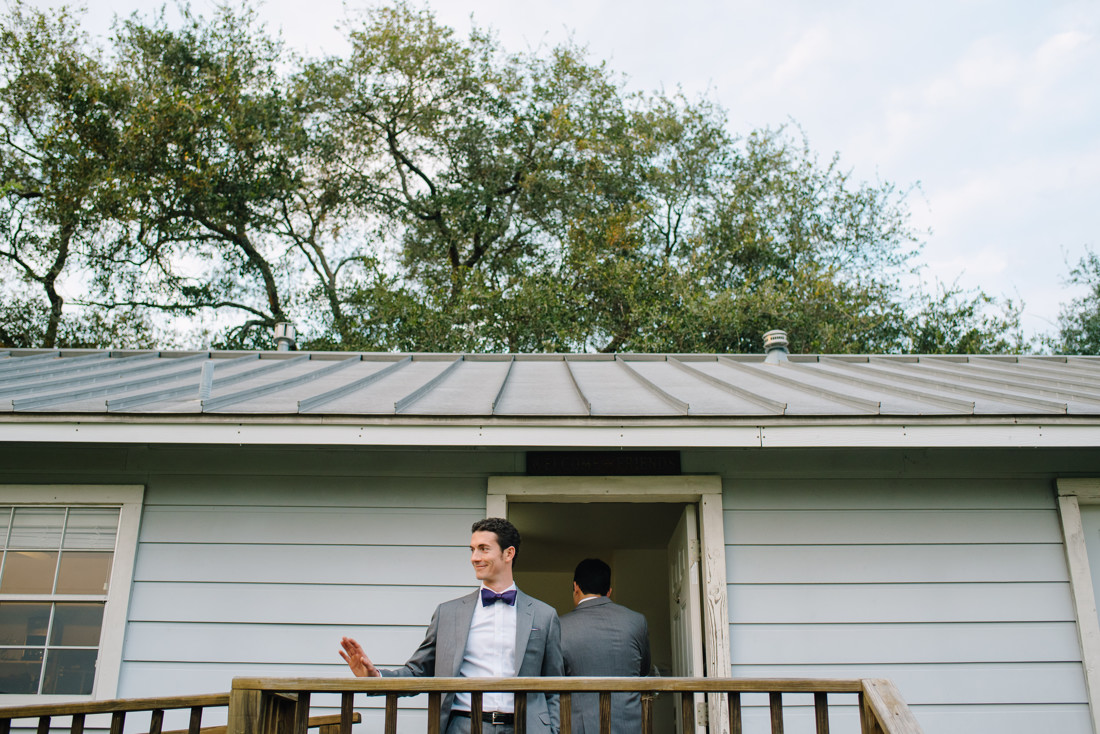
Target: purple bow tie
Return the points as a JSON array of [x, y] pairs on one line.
[[488, 596]]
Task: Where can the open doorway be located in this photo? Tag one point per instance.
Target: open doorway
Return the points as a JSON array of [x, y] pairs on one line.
[[639, 509], [632, 537]]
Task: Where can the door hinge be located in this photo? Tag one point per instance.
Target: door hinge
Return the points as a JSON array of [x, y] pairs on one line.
[[702, 713], [693, 551]]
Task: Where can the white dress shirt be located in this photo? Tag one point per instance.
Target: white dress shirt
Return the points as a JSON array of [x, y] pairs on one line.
[[490, 653]]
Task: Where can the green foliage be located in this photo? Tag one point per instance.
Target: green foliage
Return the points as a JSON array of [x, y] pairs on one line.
[[1079, 320], [956, 322], [428, 192]]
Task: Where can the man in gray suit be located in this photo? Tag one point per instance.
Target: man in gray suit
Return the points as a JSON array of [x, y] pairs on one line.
[[497, 631], [600, 638]]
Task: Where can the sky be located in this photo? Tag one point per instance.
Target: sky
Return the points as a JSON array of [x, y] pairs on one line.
[[987, 107]]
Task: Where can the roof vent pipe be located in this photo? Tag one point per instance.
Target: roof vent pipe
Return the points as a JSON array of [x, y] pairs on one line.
[[775, 346], [284, 337]]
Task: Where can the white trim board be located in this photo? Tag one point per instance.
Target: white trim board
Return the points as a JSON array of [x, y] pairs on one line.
[[626, 434], [1072, 493], [706, 490]]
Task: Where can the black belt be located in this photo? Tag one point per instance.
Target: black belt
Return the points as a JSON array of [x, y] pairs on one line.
[[489, 717]]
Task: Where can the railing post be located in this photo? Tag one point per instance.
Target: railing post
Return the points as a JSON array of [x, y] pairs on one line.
[[246, 714]]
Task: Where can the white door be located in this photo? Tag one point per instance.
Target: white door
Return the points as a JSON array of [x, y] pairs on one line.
[[685, 607]]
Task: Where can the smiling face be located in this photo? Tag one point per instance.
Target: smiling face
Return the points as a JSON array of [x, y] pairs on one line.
[[492, 564]]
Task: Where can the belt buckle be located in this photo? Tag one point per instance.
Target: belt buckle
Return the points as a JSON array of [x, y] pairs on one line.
[[493, 718]]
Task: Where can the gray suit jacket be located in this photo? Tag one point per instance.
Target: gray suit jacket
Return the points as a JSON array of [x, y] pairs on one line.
[[601, 638], [538, 652]]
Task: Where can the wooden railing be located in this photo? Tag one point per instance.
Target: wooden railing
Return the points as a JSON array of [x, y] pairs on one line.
[[281, 705], [154, 707], [266, 706]]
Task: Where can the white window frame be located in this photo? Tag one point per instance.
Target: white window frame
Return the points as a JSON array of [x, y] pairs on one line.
[[128, 499]]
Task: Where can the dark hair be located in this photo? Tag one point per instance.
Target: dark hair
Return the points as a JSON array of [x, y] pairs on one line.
[[507, 535], [593, 576]]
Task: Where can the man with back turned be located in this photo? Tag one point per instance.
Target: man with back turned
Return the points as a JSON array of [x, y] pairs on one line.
[[602, 638]]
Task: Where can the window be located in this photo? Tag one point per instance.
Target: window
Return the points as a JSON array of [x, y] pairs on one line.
[[64, 582]]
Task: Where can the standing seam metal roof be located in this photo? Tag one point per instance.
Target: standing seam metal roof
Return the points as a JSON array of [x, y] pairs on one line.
[[542, 385]]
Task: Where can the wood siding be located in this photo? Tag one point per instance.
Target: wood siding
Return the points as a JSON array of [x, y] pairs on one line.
[[956, 588]]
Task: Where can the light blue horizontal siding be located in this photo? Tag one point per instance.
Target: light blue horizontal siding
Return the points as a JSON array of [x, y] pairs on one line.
[[855, 564], [419, 490], [918, 602], [874, 644], [318, 564], [249, 568], [267, 643], [265, 603], [324, 526], [875, 527], [971, 683], [956, 589]]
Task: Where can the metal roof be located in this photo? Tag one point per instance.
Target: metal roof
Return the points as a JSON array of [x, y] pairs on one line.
[[574, 386]]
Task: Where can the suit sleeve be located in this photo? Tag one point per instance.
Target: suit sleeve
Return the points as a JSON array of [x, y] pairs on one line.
[[553, 665], [422, 662]]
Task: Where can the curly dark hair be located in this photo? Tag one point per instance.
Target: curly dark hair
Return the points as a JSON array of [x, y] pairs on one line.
[[507, 535]]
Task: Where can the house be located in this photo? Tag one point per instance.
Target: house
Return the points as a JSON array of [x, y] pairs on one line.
[[174, 519]]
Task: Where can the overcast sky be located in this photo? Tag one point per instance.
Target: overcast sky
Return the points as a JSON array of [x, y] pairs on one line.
[[989, 105]]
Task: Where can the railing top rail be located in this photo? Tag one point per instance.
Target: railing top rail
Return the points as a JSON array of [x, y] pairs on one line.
[[551, 684], [107, 707]]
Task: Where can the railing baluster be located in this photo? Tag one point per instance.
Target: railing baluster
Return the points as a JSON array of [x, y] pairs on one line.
[[391, 713], [735, 713], [156, 721], [347, 710], [5, 726], [776, 702], [520, 708], [195, 723], [687, 712], [475, 712], [821, 712], [301, 713], [77, 725], [435, 710], [866, 723], [647, 712], [44, 725], [118, 721], [605, 712], [565, 713]]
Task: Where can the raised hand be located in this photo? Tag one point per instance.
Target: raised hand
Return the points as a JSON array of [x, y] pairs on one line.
[[357, 659]]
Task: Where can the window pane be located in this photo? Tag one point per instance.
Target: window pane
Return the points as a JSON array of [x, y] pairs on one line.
[[5, 521], [28, 572], [91, 529], [20, 670], [76, 625], [84, 572], [36, 527], [69, 671], [24, 623]]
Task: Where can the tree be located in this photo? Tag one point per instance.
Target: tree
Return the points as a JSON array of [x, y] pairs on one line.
[[59, 122], [1079, 320], [428, 191]]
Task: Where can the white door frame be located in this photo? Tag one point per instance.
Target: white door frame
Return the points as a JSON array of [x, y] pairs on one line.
[[706, 491], [1072, 493]]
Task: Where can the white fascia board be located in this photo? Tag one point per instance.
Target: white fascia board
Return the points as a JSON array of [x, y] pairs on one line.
[[839, 434]]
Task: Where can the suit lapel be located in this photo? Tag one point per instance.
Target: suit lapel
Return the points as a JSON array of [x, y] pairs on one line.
[[460, 630], [525, 619]]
